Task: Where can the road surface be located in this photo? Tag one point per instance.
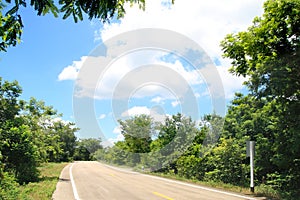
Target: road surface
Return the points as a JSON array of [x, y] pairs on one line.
[[89, 180]]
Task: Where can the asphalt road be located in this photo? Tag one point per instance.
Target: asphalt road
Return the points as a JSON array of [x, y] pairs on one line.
[[92, 180]]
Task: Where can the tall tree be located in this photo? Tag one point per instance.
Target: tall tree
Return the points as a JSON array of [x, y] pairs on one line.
[[137, 132], [268, 53], [19, 154], [175, 136]]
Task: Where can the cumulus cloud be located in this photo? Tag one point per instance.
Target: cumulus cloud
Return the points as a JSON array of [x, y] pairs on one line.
[[175, 103], [102, 116], [136, 110], [231, 83], [156, 113], [205, 22], [70, 72], [117, 130], [157, 100]]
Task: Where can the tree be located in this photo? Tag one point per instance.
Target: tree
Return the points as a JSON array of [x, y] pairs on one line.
[[67, 139], [30, 133], [137, 132], [11, 24], [19, 154], [91, 144], [175, 136], [54, 137], [268, 53]]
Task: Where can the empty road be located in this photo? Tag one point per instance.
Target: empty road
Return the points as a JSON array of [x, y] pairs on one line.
[[89, 180]]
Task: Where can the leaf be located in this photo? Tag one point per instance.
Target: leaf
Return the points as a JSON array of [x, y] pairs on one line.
[[12, 11]]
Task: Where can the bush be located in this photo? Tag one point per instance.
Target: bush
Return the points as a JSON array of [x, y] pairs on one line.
[[8, 187]]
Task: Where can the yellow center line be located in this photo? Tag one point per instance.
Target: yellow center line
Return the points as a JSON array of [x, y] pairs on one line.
[[163, 196]]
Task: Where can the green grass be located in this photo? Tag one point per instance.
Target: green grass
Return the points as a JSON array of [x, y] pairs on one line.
[[42, 190], [262, 191]]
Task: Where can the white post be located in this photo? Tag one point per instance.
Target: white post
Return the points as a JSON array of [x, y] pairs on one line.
[[252, 165]]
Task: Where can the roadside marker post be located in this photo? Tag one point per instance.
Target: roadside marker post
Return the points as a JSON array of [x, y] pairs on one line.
[[250, 153]]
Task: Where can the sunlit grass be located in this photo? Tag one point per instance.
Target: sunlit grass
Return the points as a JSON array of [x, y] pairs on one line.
[[261, 191], [43, 189]]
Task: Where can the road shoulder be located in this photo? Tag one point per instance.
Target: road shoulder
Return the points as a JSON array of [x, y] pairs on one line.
[[63, 189]]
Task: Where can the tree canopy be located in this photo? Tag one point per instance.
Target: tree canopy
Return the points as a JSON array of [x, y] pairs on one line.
[[268, 53], [11, 24]]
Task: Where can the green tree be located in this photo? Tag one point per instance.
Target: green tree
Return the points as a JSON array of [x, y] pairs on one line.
[[81, 153], [226, 163], [86, 149], [11, 24], [8, 185], [19, 154], [190, 164], [91, 144], [66, 139], [54, 138], [137, 131], [175, 136], [268, 53]]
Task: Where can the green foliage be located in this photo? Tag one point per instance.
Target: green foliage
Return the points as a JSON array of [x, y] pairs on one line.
[[81, 153], [18, 151], [44, 188], [86, 149], [20, 154], [11, 24], [137, 132], [91, 144], [30, 133], [226, 163], [188, 166], [8, 187], [268, 53], [10, 29]]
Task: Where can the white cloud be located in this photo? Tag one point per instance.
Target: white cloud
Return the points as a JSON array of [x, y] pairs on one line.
[[157, 113], [117, 130], [70, 72], [206, 22], [111, 141], [157, 100], [136, 110], [175, 103], [102, 116], [138, 74], [231, 83]]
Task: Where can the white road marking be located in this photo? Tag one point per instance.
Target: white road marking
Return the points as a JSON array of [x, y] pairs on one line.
[[199, 187], [182, 183], [75, 193]]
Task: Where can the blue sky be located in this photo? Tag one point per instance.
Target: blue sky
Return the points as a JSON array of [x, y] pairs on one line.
[[53, 51]]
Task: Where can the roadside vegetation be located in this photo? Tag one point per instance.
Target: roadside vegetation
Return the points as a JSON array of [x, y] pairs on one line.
[[31, 135], [268, 54], [213, 150], [44, 188]]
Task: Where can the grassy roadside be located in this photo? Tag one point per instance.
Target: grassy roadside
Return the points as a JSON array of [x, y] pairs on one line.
[[261, 192], [43, 189]]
